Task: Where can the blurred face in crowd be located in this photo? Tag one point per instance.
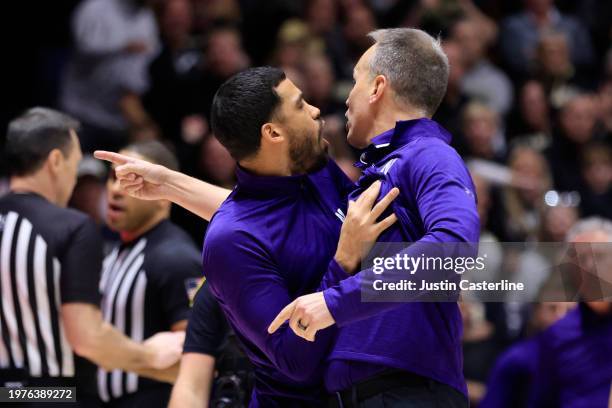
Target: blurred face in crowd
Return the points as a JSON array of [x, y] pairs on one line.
[[359, 22], [216, 163], [319, 79], [484, 198], [553, 56], [538, 6], [466, 34], [456, 62], [480, 127], [303, 126], [547, 313], [321, 16], [597, 168], [177, 21], [359, 115], [578, 119], [534, 107], [224, 53], [126, 214], [528, 164], [66, 168], [593, 258], [558, 221]]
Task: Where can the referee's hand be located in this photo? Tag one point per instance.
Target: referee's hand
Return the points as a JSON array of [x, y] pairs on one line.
[[165, 349]]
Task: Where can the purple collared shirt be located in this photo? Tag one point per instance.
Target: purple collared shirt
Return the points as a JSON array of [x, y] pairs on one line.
[[271, 241], [574, 368], [437, 203]]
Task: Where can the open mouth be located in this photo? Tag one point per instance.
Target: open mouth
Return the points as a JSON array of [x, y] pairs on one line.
[[114, 209]]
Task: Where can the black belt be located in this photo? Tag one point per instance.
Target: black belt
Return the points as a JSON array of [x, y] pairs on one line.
[[385, 381]]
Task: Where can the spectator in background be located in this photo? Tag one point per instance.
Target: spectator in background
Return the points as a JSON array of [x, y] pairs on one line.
[[577, 121], [596, 170], [554, 69], [524, 204], [574, 364], [482, 133], [479, 348], [319, 85], [511, 378], [557, 221], [207, 13], [322, 18], [294, 42], [216, 164], [520, 34], [482, 80], [359, 21], [173, 99], [224, 56], [604, 104], [449, 113], [531, 123], [114, 42]]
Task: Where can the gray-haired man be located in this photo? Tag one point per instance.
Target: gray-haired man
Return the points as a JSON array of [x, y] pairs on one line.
[[406, 353]]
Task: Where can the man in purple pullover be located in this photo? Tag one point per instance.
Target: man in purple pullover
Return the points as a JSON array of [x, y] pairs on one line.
[[406, 353]]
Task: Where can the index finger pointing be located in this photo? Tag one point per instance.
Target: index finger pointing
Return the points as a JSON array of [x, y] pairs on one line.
[[281, 318], [112, 157]]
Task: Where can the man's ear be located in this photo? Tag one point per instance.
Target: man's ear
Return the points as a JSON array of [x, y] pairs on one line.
[[55, 160], [379, 87], [272, 133]]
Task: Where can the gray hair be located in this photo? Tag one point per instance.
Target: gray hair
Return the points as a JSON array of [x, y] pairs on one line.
[[414, 64], [590, 224]]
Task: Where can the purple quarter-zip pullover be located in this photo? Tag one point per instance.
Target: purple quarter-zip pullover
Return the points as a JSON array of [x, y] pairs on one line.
[[437, 203]]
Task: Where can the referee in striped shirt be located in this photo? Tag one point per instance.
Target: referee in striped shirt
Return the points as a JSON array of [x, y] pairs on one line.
[[50, 262], [146, 279]]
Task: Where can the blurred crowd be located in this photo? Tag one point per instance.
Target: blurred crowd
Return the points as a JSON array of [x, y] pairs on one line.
[[529, 101]]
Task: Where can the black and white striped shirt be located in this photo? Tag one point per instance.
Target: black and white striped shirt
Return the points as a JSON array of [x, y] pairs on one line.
[[145, 286], [49, 256]]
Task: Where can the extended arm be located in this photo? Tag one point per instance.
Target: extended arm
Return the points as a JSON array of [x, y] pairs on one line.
[[148, 181]]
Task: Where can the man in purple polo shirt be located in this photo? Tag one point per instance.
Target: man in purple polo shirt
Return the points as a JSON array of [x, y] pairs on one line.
[[406, 352]]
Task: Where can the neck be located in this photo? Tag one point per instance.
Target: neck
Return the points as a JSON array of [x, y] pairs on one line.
[[35, 183], [388, 117], [128, 236], [274, 166]]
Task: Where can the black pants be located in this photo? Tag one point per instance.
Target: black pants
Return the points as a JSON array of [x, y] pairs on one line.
[[435, 395]]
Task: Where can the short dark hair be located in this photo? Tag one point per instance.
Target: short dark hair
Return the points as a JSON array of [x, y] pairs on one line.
[[33, 135], [155, 152], [241, 107]]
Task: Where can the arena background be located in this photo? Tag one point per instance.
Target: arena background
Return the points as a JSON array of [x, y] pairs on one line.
[[529, 103]]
